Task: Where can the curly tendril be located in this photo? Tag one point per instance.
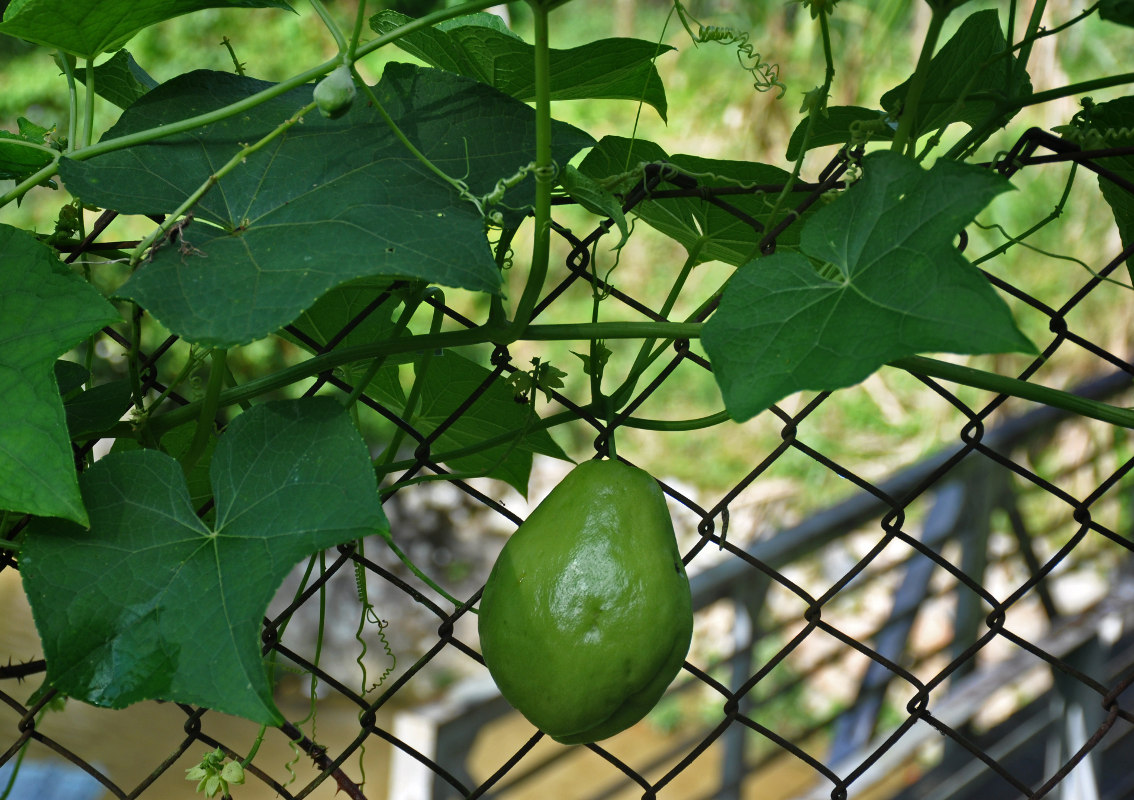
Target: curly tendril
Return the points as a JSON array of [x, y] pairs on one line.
[[765, 75], [496, 196], [1086, 132], [1094, 138], [382, 625]]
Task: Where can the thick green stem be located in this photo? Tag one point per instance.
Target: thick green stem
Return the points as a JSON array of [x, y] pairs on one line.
[[1002, 384], [544, 172], [208, 411], [416, 389], [356, 34], [410, 344], [973, 139], [65, 61], [906, 136], [1081, 87], [1030, 32], [331, 25], [608, 330], [255, 747], [88, 105]]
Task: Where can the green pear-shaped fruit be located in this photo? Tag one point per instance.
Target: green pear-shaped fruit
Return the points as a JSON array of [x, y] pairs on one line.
[[586, 616]]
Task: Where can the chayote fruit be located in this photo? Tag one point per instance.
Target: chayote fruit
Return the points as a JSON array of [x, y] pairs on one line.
[[334, 94], [586, 617]]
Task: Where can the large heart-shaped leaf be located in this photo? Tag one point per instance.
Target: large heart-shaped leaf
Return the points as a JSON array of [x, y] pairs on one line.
[[89, 27], [45, 310], [482, 47], [153, 603], [884, 281], [324, 203]]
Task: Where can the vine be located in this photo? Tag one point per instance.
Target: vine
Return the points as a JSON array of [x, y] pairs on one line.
[[765, 75], [273, 237]]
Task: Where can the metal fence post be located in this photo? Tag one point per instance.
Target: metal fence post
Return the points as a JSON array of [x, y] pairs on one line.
[[748, 600]]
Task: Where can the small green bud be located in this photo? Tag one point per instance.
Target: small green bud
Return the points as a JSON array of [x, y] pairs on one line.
[[335, 93]]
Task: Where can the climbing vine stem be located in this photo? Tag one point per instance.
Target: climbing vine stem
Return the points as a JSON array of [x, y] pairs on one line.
[[582, 331], [208, 409], [905, 137], [544, 171]]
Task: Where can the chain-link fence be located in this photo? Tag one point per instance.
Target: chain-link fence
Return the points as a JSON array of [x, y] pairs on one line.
[[955, 627]]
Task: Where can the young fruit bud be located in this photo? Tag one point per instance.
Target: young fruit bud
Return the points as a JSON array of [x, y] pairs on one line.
[[335, 93]]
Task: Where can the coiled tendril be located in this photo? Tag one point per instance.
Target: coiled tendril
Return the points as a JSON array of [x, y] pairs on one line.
[[1088, 134], [765, 75]]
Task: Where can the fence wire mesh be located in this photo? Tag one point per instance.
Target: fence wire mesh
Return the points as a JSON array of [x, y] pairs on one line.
[[957, 626]]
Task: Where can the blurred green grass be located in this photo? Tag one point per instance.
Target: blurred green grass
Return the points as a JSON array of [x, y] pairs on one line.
[[891, 419]]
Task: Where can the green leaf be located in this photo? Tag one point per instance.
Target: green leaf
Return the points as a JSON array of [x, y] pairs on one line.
[[840, 125], [326, 202], [891, 284], [342, 307], [971, 62], [45, 310], [151, 603], [177, 443], [594, 365], [480, 46], [18, 161], [1118, 11], [702, 228], [1111, 124], [120, 80], [96, 409], [89, 27], [590, 195], [70, 377], [447, 382]]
